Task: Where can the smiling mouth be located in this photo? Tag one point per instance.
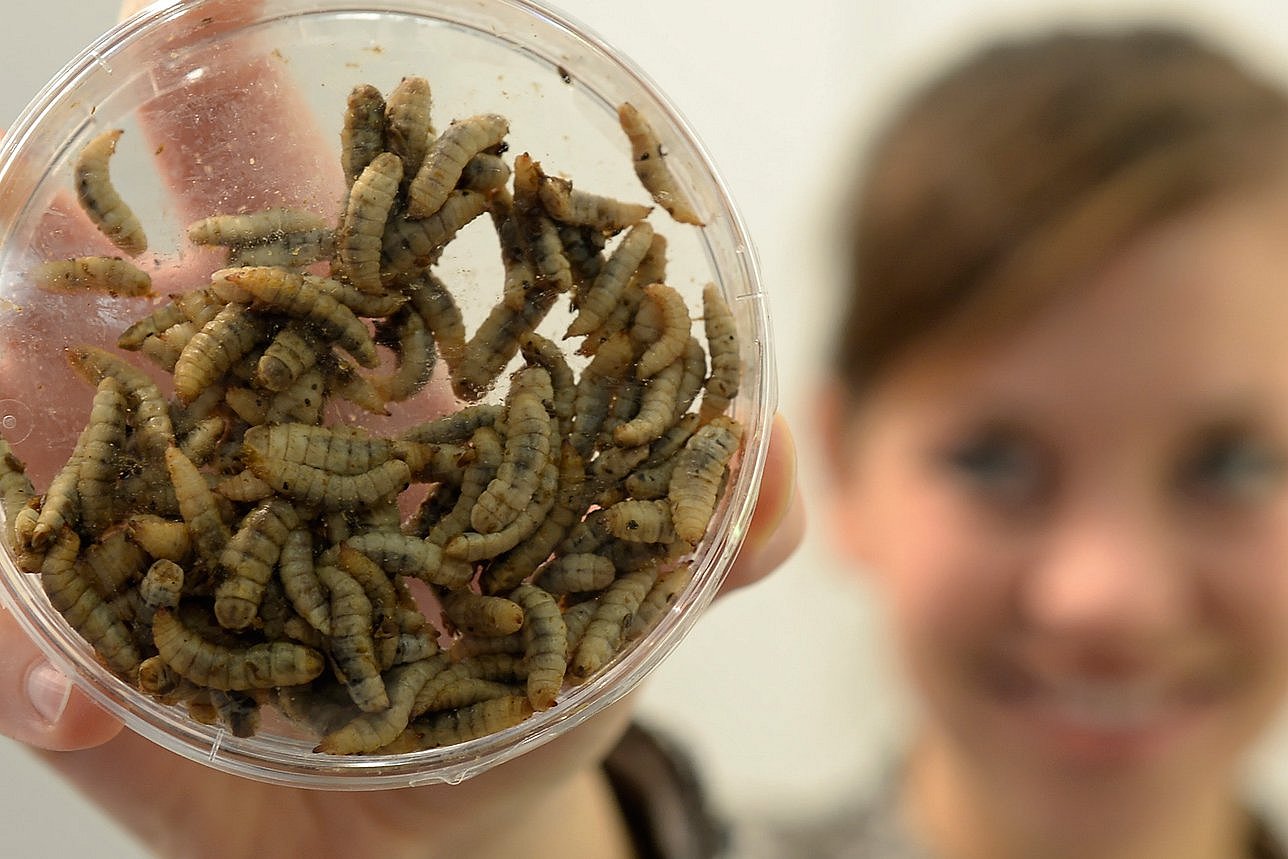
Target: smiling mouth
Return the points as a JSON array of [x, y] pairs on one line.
[[1108, 706]]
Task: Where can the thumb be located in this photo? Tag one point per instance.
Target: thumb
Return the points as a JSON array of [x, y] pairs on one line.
[[39, 705]]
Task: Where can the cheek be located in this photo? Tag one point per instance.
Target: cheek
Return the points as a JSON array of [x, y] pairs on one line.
[[1246, 567], [945, 575]]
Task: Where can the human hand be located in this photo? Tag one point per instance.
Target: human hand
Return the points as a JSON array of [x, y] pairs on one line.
[[552, 796]]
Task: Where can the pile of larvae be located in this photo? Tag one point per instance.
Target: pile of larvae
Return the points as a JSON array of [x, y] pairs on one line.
[[226, 549]]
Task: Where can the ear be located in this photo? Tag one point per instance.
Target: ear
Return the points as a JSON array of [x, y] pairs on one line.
[[847, 512]]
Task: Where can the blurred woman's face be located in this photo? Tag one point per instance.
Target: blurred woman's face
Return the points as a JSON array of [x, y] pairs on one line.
[[1081, 529]]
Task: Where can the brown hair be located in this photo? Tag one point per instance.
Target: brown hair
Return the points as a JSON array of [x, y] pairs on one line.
[[1031, 162]]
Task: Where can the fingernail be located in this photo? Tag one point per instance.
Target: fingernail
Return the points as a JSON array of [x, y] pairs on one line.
[[48, 690]]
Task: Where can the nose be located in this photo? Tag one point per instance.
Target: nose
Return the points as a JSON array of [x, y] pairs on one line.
[[1109, 574]]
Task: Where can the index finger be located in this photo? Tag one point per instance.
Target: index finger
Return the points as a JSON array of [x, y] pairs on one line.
[[227, 123]]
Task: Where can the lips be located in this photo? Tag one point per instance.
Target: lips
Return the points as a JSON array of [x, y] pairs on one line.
[[1101, 715]]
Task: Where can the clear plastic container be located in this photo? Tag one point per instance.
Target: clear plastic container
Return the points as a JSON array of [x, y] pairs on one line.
[[268, 89]]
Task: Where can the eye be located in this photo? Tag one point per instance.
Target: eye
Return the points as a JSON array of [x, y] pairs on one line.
[[1234, 467], [999, 465]]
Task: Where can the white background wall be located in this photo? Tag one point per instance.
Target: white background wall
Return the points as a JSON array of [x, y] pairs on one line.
[[783, 691]]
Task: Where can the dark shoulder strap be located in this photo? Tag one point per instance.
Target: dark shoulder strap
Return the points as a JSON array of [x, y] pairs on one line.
[[662, 799]]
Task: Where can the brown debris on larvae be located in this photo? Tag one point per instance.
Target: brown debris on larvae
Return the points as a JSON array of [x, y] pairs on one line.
[[475, 614], [299, 297], [213, 351], [699, 471], [371, 199], [100, 199], [546, 644], [574, 574], [162, 539], [253, 228], [197, 505], [409, 246], [571, 206], [528, 441], [641, 521], [302, 402], [350, 643], [101, 446], [208, 663], [537, 231], [446, 159], [249, 559], [434, 304], [112, 275], [606, 631], [371, 730], [152, 423], [461, 725], [726, 361], [406, 333], [300, 582], [654, 173], [362, 135], [408, 129], [83, 608], [603, 295]]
